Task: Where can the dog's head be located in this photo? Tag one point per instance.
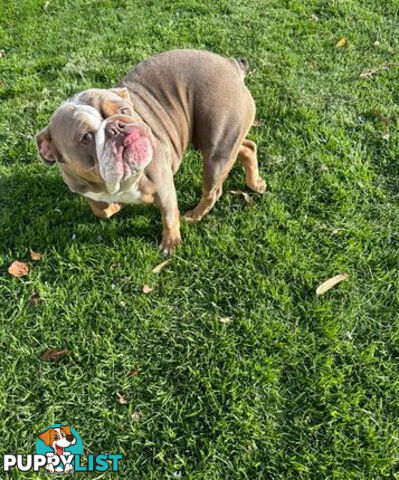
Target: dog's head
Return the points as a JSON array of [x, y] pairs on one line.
[[97, 140], [58, 438]]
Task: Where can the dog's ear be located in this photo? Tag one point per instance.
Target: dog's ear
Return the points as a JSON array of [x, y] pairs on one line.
[[123, 92], [46, 147], [45, 436], [66, 429]]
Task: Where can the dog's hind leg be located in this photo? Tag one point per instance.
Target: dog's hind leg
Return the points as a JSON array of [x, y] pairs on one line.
[[217, 165], [247, 155]]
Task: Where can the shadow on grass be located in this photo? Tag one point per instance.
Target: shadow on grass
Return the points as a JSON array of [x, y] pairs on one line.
[[38, 211]]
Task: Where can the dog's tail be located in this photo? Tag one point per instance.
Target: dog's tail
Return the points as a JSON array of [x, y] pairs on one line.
[[243, 64]]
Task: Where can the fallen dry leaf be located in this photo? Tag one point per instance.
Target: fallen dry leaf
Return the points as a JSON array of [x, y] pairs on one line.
[[368, 73], [386, 122], [54, 354], [134, 373], [383, 119], [121, 399], [18, 269], [147, 289], [330, 283], [34, 299], [341, 42], [257, 123], [35, 255], [225, 320], [136, 415], [245, 195], [161, 266], [2, 53]]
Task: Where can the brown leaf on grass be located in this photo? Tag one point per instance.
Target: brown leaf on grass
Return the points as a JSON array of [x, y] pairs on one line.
[[2, 53], [245, 195], [34, 299], [385, 135], [35, 255], [147, 289], [161, 266], [136, 415], [225, 320], [369, 72], [18, 269], [54, 354], [330, 283], [383, 119], [121, 398], [134, 373], [257, 123], [341, 42], [386, 122]]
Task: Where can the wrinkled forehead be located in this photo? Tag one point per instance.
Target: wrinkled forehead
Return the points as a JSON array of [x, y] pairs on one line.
[[105, 101], [72, 119]]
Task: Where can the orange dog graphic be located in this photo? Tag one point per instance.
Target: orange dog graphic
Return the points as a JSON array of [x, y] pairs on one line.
[[58, 438]]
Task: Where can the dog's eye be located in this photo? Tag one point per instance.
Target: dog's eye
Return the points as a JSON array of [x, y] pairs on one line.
[[86, 139], [56, 437], [125, 111]]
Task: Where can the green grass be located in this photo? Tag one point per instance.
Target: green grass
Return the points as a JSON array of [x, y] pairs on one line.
[[295, 386]]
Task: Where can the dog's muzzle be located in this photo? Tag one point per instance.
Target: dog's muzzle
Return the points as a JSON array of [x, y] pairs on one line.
[[123, 148]]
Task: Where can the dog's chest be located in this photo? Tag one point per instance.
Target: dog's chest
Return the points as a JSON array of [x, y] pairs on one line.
[[133, 195]]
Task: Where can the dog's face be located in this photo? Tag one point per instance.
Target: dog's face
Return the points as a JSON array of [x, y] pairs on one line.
[[97, 140], [58, 438]]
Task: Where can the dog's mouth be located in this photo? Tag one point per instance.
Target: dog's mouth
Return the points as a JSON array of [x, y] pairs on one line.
[[60, 450], [136, 148], [125, 153]]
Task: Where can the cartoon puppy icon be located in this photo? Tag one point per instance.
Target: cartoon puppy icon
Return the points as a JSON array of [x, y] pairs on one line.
[[59, 438]]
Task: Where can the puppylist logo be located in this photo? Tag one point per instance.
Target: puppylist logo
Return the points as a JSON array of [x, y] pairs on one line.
[[59, 449]]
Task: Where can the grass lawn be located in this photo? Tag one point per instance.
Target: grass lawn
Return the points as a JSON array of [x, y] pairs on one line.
[[294, 386]]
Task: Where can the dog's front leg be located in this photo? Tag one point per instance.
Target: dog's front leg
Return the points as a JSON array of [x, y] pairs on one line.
[[165, 197], [104, 210]]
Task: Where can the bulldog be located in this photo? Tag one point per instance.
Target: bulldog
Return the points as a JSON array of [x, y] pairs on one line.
[[123, 145]]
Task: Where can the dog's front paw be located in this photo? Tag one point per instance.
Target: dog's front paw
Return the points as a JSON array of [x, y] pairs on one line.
[[169, 242], [259, 186], [50, 468], [68, 468], [192, 216], [104, 210]]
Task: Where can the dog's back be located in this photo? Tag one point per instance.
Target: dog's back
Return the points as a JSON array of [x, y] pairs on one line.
[[184, 90]]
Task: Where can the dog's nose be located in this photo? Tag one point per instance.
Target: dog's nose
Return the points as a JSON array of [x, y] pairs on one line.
[[113, 128], [70, 438]]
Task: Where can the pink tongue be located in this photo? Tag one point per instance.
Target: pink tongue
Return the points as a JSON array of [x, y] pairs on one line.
[[59, 450], [132, 137]]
